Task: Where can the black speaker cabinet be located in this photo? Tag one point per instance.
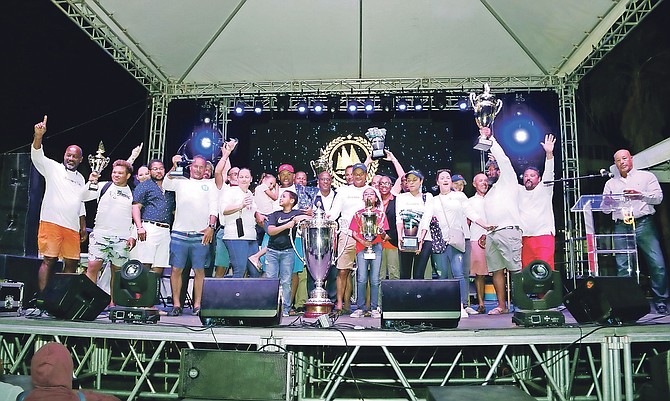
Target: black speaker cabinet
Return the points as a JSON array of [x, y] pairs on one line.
[[434, 303], [240, 302], [235, 375], [24, 269], [477, 393], [74, 297], [607, 300]]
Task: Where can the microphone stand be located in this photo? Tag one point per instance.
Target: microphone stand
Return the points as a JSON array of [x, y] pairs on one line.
[[581, 177]]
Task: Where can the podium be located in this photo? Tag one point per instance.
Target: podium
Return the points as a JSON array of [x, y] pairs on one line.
[[602, 243]]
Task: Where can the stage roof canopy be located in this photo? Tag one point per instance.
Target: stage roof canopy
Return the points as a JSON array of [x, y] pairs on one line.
[[196, 42]]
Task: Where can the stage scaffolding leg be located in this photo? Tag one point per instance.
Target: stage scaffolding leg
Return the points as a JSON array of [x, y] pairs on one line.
[[495, 364], [341, 374], [548, 373], [146, 370], [399, 373]]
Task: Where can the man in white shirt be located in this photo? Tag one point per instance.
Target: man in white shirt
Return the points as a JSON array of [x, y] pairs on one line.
[[537, 211], [193, 228], [503, 245], [110, 241], [63, 216], [643, 191]]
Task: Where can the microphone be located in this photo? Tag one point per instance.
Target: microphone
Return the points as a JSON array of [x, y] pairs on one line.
[[606, 173]]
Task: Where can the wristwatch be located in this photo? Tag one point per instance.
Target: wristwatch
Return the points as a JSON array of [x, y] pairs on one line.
[[212, 226]]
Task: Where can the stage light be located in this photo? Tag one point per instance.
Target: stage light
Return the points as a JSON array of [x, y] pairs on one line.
[[418, 104], [386, 103], [402, 104], [369, 105], [463, 104], [333, 103], [282, 102], [440, 100], [135, 285], [302, 107], [206, 120], [352, 106], [258, 106], [239, 107], [521, 135], [205, 140], [536, 289], [317, 107]]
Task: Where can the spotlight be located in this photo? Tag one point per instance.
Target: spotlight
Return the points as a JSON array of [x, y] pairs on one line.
[[535, 289], [462, 104], [352, 106], [206, 141], [206, 120], [402, 104], [521, 135], [317, 107], [302, 107], [440, 100], [135, 292], [418, 104], [333, 103], [282, 102], [239, 107], [369, 105], [258, 106], [386, 103]]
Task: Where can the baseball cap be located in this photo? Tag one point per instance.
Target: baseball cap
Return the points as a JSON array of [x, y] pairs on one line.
[[416, 173], [458, 177], [285, 167], [361, 166]]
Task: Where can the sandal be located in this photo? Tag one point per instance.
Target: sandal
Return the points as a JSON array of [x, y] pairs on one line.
[[481, 309], [498, 311]]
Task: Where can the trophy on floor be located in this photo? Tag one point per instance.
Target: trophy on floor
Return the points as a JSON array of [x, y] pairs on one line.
[[98, 163], [369, 229], [410, 239], [486, 108], [319, 244], [377, 137]]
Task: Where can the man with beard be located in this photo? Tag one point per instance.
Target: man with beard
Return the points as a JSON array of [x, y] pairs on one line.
[[537, 211], [62, 217], [153, 209], [503, 244]]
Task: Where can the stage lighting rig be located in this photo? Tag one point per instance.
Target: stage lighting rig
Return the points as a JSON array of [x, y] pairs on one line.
[[418, 104], [402, 104], [135, 291], [369, 105], [536, 289], [317, 107], [301, 107], [258, 106]]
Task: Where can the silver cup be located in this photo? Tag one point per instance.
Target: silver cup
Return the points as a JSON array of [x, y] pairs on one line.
[[319, 244], [486, 108], [98, 163], [377, 137], [369, 231]]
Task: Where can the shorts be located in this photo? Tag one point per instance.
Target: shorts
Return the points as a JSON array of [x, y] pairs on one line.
[[478, 260], [110, 249], [503, 250], [298, 264], [346, 248], [222, 257], [185, 246], [155, 250], [56, 241], [540, 247]]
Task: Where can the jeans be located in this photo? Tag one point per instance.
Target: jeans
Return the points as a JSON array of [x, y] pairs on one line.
[[362, 266], [450, 265], [648, 245], [413, 265], [280, 264], [240, 250]]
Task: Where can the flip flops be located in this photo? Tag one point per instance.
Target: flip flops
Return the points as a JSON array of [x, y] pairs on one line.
[[498, 311]]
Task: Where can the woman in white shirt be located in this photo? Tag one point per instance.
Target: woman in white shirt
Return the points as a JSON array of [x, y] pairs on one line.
[[237, 210], [452, 211], [414, 209]]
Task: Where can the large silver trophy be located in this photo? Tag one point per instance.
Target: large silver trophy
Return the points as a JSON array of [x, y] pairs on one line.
[[319, 244], [98, 163], [410, 239], [377, 137], [369, 229], [486, 108]]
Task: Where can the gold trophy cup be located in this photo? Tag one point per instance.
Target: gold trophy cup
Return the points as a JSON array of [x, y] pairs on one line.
[[98, 163]]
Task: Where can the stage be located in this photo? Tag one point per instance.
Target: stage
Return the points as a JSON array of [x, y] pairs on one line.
[[355, 358]]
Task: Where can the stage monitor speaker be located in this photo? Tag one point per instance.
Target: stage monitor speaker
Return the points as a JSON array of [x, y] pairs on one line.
[[235, 375], [74, 297], [489, 392], [240, 302], [607, 300], [434, 303]]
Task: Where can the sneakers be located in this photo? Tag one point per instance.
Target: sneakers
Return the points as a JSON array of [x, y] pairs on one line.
[[661, 308], [471, 311], [358, 313], [464, 314], [376, 313]]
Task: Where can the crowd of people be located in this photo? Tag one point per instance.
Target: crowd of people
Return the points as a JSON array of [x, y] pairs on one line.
[[214, 224]]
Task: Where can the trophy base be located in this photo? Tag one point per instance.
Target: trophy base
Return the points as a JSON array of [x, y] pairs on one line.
[[93, 186], [410, 244], [176, 174], [315, 307], [378, 154], [369, 255], [483, 145]]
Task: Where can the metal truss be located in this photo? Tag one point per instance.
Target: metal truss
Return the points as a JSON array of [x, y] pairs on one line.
[[157, 131], [609, 367]]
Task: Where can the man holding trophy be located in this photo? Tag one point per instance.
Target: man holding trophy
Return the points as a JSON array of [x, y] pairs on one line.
[[368, 227], [63, 216]]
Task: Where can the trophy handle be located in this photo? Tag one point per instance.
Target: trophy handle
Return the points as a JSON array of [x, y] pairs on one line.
[[473, 99], [292, 237], [499, 104]]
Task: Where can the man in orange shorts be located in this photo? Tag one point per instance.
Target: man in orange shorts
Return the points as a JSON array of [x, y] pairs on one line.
[[62, 217]]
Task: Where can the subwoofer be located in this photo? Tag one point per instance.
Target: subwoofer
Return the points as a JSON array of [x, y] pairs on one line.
[[607, 300], [240, 302], [74, 297]]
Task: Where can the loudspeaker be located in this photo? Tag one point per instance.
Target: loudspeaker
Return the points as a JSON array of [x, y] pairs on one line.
[[74, 297], [234, 375], [489, 392], [434, 303], [240, 302], [24, 269], [607, 300]]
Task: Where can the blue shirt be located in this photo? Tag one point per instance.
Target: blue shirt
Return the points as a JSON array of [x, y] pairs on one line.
[[156, 204]]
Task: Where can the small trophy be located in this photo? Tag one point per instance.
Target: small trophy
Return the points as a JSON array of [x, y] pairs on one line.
[[179, 170], [411, 220], [377, 136], [486, 108], [369, 229], [98, 163], [321, 164]]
